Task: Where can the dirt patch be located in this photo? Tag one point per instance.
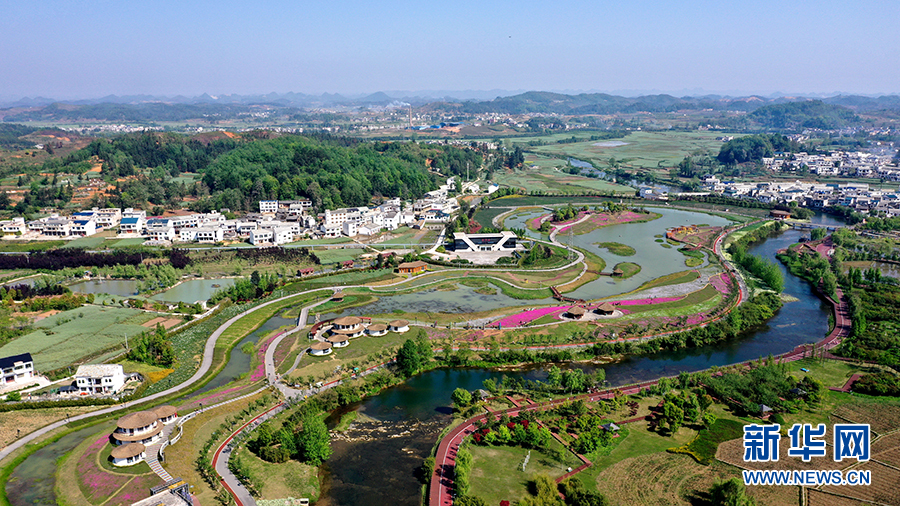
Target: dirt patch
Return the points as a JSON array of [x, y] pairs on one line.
[[28, 420], [668, 479], [881, 417]]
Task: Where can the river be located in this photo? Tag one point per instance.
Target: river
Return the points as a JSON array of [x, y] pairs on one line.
[[376, 461]]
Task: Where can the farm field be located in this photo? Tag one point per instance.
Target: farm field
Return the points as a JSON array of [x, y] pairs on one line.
[[93, 241], [669, 479], [28, 420], [65, 338], [647, 150], [541, 175]]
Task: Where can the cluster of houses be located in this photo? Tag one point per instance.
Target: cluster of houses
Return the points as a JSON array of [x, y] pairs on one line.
[[345, 328], [836, 163], [277, 222], [138, 432], [857, 196], [18, 372]]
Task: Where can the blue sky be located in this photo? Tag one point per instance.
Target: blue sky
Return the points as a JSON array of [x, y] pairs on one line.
[[87, 49]]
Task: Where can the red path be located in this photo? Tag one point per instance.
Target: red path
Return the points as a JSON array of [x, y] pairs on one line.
[[440, 491]]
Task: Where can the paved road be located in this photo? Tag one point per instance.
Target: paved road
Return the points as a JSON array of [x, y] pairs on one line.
[[220, 459]]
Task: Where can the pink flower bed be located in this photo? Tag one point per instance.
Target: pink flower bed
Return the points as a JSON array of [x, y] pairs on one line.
[[96, 483], [260, 371], [721, 282], [603, 220], [528, 316], [535, 223], [135, 491], [211, 399], [644, 302]]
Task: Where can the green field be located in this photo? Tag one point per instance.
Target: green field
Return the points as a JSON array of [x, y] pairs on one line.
[[65, 338], [540, 174], [312, 242], [137, 241], [643, 149], [29, 245], [330, 256], [86, 242]]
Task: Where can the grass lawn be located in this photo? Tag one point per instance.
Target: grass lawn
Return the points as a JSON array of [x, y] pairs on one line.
[[28, 420], [497, 470], [675, 480], [540, 175], [628, 269], [288, 479], [29, 245], [616, 248], [486, 216], [331, 256], [64, 338], [85, 242], [120, 243], [329, 240], [832, 373], [704, 446], [362, 350], [642, 149], [675, 278]]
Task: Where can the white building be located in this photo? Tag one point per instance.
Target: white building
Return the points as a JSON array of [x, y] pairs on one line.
[[503, 241], [268, 206], [99, 378], [15, 226], [132, 225], [261, 236], [209, 234], [109, 217], [350, 228], [331, 230], [84, 227], [16, 370]]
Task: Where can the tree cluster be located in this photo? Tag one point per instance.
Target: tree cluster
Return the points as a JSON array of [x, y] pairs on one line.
[[153, 348], [304, 437], [414, 355]]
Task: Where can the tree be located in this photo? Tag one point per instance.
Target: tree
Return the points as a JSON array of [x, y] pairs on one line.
[[408, 359], [554, 377], [673, 415], [461, 397], [469, 500], [313, 442], [730, 493]]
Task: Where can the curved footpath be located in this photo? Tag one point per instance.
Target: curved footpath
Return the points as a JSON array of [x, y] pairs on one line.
[[223, 453]]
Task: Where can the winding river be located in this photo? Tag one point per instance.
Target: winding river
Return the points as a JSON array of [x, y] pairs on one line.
[[376, 460]]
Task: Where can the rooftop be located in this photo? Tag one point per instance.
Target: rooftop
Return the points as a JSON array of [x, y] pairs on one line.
[[98, 370]]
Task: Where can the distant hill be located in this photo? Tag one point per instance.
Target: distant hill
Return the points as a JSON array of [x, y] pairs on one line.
[[806, 114]]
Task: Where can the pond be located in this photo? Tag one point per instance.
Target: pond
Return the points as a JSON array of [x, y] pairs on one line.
[[188, 291], [460, 301], [193, 290]]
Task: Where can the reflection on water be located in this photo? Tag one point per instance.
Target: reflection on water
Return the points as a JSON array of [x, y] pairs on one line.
[[32, 481], [460, 301], [189, 291]]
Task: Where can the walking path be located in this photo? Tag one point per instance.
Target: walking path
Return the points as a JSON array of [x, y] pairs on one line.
[[220, 459]]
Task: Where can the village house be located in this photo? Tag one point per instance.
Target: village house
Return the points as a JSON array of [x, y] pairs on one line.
[[16, 370], [412, 267], [103, 379], [15, 226]]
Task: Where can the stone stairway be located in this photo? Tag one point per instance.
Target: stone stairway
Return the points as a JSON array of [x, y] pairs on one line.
[[153, 454]]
